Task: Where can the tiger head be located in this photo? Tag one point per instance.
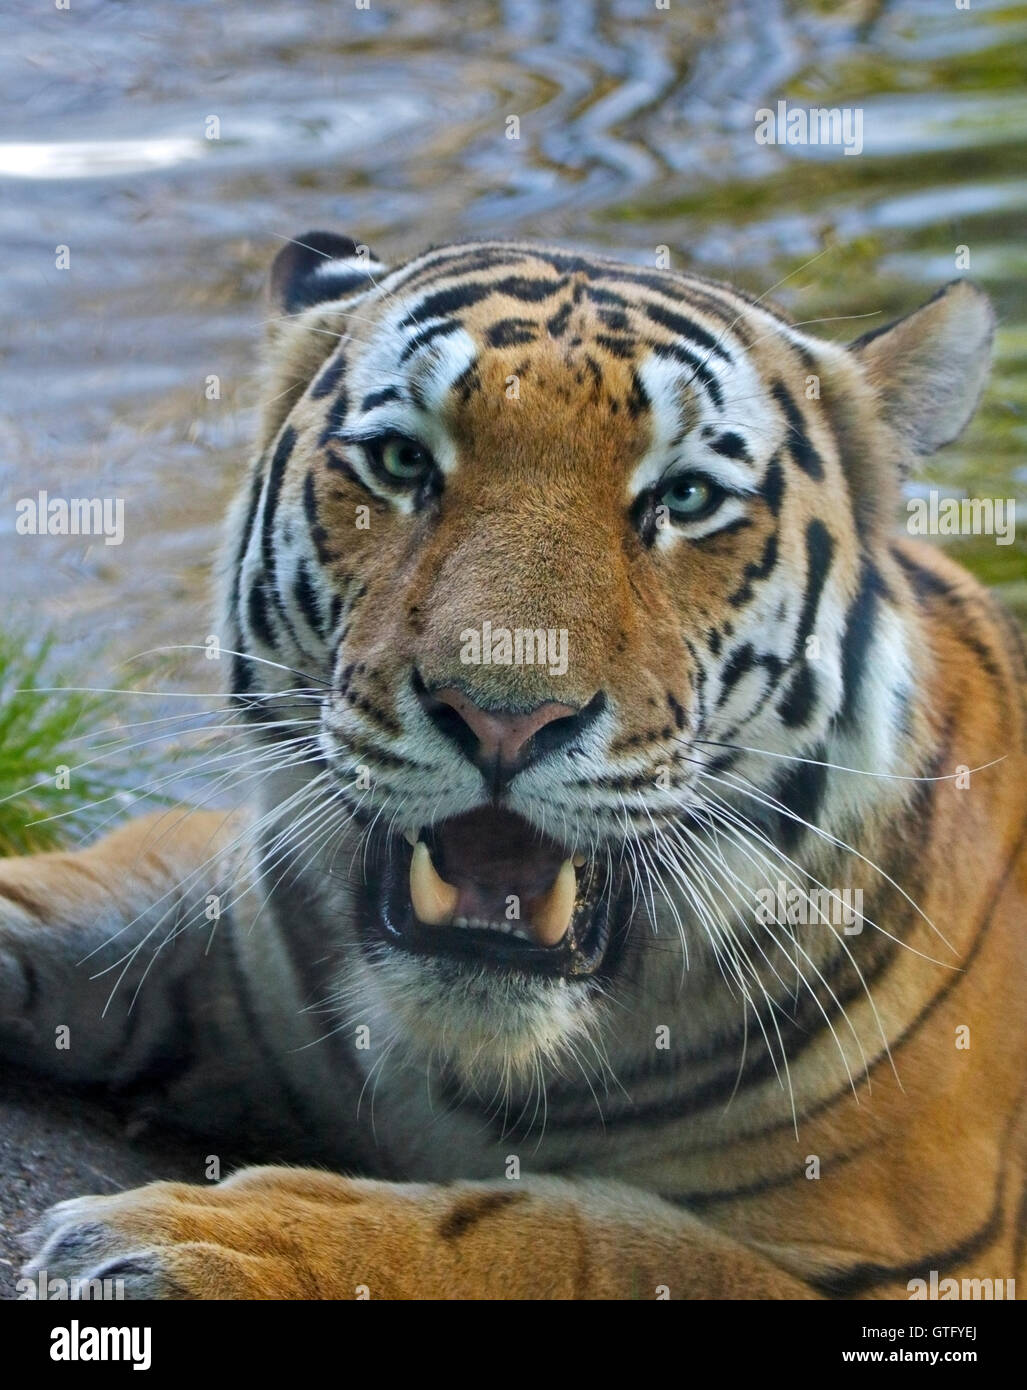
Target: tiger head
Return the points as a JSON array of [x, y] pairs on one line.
[[551, 568]]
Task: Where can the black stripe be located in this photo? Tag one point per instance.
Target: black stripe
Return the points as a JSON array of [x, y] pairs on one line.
[[731, 446], [336, 418], [257, 614], [596, 370], [773, 486], [797, 704], [637, 398], [699, 675], [511, 332], [598, 295], [800, 792], [740, 523], [860, 621], [711, 1197], [468, 382], [925, 583], [798, 440], [556, 326], [428, 335], [330, 376], [755, 572], [684, 328], [454, 297], [474, 1208], [739, 663], [282, 454], [616, 320], [819, 554], [702, 294], [315, 289], [623, 348], [310, 500], [306, 598], [283, 451], [719, 300], [699, 368], [463, 260], [387, 393], [256, 487], [928, 585], [241, 679], [335, 459]]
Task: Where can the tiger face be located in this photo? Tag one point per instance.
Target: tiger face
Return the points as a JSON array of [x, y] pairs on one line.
[[577, 561]]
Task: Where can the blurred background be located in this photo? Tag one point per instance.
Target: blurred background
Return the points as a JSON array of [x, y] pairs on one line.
[[389, 123]]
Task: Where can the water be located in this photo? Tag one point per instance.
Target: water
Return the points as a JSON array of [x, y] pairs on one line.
[[636, 130]]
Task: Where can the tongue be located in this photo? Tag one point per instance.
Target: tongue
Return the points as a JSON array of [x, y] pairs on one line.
[[488, 857]]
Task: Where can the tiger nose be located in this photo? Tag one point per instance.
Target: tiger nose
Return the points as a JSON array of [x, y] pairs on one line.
[[500, 737]]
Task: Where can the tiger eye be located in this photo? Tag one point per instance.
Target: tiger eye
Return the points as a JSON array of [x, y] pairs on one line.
[[405, 460]]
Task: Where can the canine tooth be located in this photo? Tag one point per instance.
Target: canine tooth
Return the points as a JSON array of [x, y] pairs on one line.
[[410, 836], [578, 860], [434, 900], [551, 916]]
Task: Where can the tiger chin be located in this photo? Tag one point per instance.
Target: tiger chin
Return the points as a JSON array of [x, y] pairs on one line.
[[568, 621]]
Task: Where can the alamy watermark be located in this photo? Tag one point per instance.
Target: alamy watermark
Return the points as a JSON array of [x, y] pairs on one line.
[[935, 515], [54, 1288], [519, 646], [44, 515], [811, 125], [936, 1287], [795, 907]]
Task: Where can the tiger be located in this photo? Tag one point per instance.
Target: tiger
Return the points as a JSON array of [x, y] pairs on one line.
[[626, 895]]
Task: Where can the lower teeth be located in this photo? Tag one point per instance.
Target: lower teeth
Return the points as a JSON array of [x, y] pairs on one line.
[[434, 901], [480, 924]]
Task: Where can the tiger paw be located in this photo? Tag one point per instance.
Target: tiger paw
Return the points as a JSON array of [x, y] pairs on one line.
[[236, 1240]]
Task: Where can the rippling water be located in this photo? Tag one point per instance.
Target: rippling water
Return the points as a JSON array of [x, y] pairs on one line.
[[636, 130]]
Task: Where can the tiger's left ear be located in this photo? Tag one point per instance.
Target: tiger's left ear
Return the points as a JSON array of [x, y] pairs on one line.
[[320, 266], [928, 369]]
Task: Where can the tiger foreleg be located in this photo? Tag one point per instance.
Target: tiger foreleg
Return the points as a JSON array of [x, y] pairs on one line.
[[271, 1233], [82, 931]]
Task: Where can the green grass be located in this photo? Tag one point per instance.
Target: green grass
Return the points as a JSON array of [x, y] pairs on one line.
[[42, 730]]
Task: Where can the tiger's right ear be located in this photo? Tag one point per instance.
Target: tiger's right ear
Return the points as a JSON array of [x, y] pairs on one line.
[[318, 267]]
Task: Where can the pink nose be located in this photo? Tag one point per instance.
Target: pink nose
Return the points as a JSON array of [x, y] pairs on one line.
[[501, 736]]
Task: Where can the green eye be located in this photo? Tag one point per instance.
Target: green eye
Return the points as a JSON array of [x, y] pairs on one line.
[[689, 497], [404, 460]]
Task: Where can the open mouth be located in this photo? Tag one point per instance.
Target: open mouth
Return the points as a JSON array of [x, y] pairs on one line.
[[488, 886]]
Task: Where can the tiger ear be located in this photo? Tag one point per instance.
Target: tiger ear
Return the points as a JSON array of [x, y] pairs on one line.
[[320, 266], [928, 369]]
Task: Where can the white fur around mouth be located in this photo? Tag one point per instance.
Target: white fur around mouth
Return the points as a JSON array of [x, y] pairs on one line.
[[547, 917]]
